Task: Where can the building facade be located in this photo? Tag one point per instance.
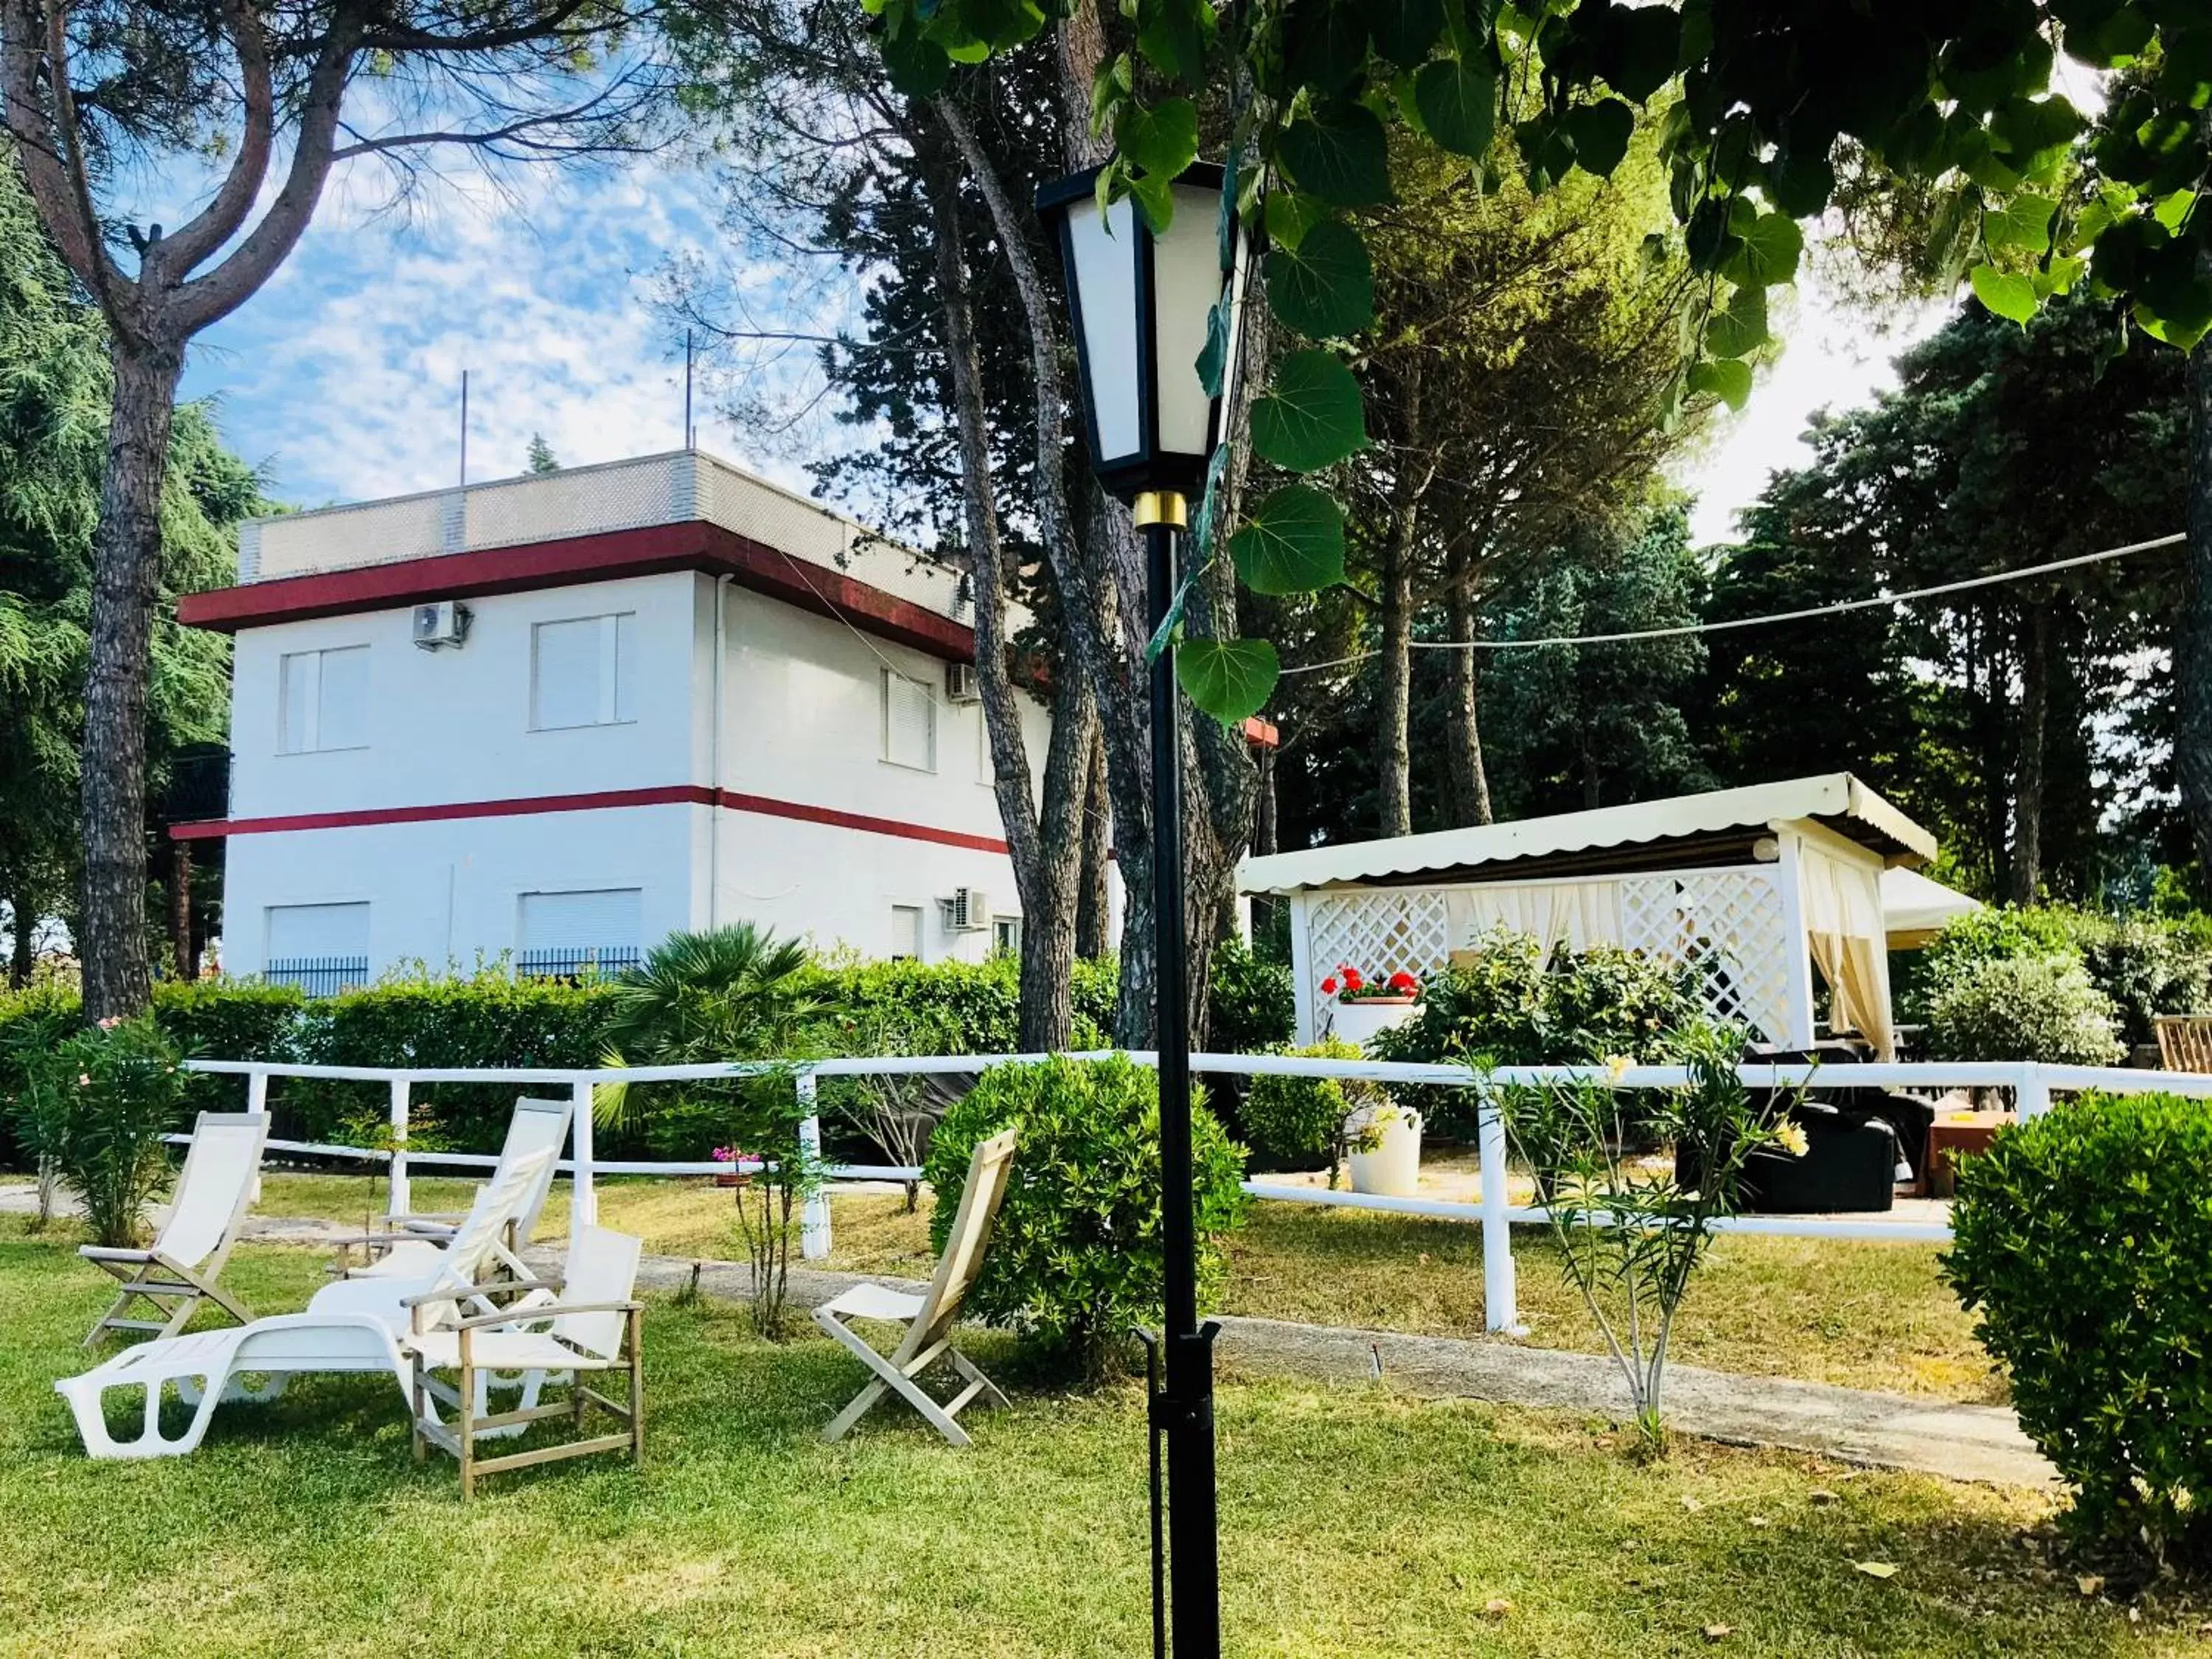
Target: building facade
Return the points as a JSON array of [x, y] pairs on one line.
[[551, 719]]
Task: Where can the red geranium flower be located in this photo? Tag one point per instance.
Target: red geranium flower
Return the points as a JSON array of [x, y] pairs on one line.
[[1353, 982], [1404, 982], [1328, 986]]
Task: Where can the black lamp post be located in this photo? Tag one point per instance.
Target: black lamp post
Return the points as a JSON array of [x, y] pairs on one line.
[[1140, 304]]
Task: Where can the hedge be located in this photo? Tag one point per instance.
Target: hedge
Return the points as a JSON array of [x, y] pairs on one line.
[[489, 1019]]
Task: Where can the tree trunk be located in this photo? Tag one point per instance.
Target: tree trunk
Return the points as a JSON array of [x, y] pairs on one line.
[[180, 911], [1469, 780], [2192, 645], [1094, 903], [22, 957], [2036, 629], [1394, 585], [126, 568], [1044, 843]]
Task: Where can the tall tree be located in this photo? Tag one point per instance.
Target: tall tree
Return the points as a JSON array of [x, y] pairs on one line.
[[281, 94]]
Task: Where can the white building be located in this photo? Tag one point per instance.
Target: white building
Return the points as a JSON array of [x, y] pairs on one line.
[[561, 716]]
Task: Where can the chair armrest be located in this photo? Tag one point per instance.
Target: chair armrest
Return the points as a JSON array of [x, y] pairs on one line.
[[550, 1310], [491, 1287], [111, 1252]]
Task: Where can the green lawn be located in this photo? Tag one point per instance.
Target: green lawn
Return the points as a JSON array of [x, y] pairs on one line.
[[1863, 1315], [1354, 1521]]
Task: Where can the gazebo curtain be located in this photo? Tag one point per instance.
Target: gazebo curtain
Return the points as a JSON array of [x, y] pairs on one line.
[[1845, 933], [1575, 913]]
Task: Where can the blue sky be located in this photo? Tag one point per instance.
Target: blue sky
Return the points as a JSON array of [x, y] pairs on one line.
[[342, 378]]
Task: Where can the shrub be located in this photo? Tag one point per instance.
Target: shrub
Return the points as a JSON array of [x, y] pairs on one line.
[[1075, 1260], [228, 1019], [1299, 1120], [2146, 965], [1514, 1007], [1251, 1008], [95, 1107], [2084, 1246], [2022, 1008]]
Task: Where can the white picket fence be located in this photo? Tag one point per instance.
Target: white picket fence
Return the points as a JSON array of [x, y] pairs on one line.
[[2030, 1083]]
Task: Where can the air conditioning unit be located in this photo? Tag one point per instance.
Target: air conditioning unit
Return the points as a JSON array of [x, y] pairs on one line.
[[960, 685], [968, 911], [440, 625]]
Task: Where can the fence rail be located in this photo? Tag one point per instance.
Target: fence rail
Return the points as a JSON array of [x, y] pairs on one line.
[[2031, 1084]]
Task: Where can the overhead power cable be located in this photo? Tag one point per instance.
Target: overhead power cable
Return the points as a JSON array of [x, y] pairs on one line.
[[1836, 609]]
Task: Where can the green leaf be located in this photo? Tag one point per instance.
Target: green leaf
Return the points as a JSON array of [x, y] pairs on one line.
[[1291, 216], [1650, 45], [1154, 194], [1324, 288], [917, 66], [1457, 102], [1229, 679], [1310, 415], [1728, 381], [1171, 34], [1768, 252], [1291, 543], [1740, 330], [997, 24], [1338, 153], [1163, 139], [1599, 133], [1801, 181], [2021, 225], [2005, 295], [1214, 356], [1404, 30]]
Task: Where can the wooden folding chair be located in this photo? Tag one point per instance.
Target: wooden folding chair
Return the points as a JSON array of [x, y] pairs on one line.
[[179, 1271], [929, 1317], [590, 1325], [2185, 1042]]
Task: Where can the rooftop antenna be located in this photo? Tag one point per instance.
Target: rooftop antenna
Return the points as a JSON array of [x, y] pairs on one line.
[[688, 434], [464, 428]]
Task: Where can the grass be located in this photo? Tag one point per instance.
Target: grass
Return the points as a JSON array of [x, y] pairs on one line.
[[1867, 1316], [1354, 1522]]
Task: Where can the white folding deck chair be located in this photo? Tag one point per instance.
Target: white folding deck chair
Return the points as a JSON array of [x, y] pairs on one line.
[[467, 1266], [181, 1269], [929, 1317], [536, 1126], [590, 1325]]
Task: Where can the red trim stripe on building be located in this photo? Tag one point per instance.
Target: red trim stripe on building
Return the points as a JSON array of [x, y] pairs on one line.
[[674, 794]]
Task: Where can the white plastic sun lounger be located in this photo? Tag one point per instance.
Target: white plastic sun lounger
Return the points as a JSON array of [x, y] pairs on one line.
[[536, 1125], [179, 1271], [929, 1317]]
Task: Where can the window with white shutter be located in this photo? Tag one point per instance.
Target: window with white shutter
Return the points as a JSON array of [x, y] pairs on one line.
[[321, 948], [565, 934], [905, 933], [322, 699], [910, 722], [583, 671]]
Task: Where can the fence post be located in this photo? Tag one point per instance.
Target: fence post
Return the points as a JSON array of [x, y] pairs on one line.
[[814, 1221], [257, 1102], [583, 1196], [1499, 1308], [402, 1199], [2032, 1097]]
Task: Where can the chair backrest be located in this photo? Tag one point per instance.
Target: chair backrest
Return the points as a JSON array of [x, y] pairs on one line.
[[2185, 1042], [602, 1268], [971, 1233], [537, 1125], [482, 1230], [215, 1185]]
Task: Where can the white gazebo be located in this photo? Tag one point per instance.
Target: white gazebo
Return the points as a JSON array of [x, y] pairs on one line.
[[1762, 887]]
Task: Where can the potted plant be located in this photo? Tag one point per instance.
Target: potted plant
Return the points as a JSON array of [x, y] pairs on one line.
[[1382, 1146], [1359, 1006], [732, 1176]]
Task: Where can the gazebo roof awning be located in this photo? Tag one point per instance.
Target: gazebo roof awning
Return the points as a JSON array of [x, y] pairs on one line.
[[1837, 799], [1913, 908]]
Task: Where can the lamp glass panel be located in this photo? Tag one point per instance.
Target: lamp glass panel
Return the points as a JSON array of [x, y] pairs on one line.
[[1186, 282], [1105, 259]]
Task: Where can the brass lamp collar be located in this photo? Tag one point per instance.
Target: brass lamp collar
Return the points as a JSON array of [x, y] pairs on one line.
[[1160, 507]]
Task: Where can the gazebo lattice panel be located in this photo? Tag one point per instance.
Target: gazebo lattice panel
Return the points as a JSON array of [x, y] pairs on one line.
[[1379, 934], [1729, 923]]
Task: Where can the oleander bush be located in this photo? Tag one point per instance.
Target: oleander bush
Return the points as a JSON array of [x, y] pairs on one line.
[[2084, 1249], [1075, 1262], [2145, 964], [2042, 1007], [1298, 1122], [94, 1108]]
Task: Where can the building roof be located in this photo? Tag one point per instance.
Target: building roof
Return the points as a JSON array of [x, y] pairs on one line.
[[1914, 909], [1835, 799]]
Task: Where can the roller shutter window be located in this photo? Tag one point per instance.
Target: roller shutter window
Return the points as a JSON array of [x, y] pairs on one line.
[[583, 671], [910, 722]]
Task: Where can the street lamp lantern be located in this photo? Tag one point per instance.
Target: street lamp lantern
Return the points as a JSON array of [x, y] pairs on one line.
[[1141, 304]]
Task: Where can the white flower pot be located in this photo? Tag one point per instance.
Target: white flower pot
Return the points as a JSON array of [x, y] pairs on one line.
[[1393, 1169], [1356, 1021]]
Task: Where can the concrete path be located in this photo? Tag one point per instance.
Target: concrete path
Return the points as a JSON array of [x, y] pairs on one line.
[[1854, 1425]]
